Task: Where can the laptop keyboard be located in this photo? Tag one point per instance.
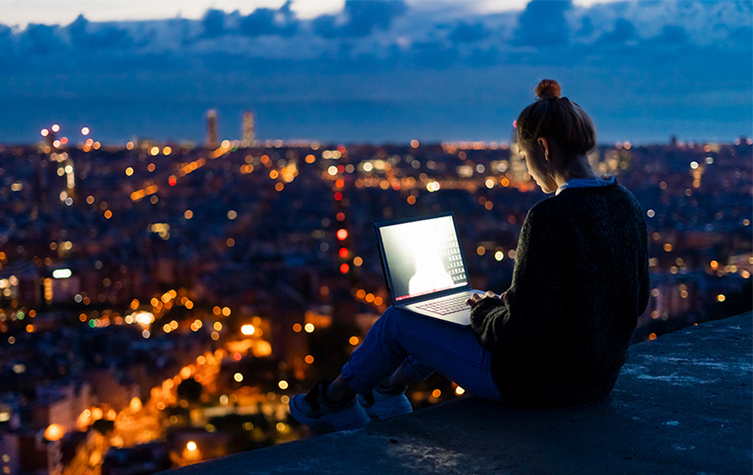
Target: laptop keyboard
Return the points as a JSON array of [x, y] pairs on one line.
[[447, 305]]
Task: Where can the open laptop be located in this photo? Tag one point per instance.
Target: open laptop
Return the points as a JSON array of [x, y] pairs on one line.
[[424, 266]]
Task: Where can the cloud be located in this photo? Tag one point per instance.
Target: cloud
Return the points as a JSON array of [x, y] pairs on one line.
[[375, 52], [623, 32], [469, 32], [673, 35], [40, 39], [434, 54], [103, 36], [359, 18], [6, 41], [213, 23], [267, 21], [543, 24]]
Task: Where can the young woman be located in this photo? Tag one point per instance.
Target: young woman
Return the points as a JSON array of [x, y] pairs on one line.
[[558, 335]]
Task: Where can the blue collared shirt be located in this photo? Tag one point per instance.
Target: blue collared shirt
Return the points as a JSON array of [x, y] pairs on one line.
[[585, 183]]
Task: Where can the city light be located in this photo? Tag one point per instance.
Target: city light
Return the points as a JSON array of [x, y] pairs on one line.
[[62, 273], [135, 404], [54, 432]]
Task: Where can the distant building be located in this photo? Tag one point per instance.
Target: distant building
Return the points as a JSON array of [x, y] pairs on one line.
[[213, 137], [248, 129], [10, 459], [60, 403], [517, 167]]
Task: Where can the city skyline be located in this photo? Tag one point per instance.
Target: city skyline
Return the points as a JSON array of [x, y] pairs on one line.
[[162, 303], [380, 72]]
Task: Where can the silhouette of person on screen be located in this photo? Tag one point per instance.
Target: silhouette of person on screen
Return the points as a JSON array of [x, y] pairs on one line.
[[431, 273]]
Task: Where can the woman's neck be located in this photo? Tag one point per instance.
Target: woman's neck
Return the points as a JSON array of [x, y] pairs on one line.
[[577, 168]]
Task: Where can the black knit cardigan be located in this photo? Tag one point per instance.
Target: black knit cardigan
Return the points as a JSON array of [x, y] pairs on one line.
[[560, 334]]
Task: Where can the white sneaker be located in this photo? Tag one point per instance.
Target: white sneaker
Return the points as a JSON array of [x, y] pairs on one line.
[[315, 411], [385, 403]]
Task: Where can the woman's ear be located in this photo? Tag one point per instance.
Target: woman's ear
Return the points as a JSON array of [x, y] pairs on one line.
[[544, 144]]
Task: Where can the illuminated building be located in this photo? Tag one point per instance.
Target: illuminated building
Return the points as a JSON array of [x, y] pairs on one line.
[[248, 129], [517, 167], [213, 138], [69, 173]]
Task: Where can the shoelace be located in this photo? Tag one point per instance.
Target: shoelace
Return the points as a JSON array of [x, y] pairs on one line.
[[313, 396]]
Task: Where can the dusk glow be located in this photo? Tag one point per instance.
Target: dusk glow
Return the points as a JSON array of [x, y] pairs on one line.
[[386, 87]]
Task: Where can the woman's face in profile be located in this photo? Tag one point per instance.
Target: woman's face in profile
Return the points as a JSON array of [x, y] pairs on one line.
[[536, 164]]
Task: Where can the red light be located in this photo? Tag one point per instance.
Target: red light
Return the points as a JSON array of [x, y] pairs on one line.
[[342, 234], [338, 196], [64, 140], [340, 169], [339, 183], [172, 180], [343, 253], [341, 216], [237, 356], [344, 268]]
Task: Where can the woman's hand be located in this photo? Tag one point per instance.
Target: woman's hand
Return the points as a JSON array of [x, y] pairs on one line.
[[475, 298]]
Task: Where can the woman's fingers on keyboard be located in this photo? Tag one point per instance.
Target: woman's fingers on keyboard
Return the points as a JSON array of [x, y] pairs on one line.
[[476, 297]]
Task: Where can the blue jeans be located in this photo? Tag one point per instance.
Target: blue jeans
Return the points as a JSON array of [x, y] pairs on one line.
[[420, 345]]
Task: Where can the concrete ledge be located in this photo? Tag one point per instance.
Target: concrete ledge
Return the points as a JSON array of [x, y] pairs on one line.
[[681, 405]]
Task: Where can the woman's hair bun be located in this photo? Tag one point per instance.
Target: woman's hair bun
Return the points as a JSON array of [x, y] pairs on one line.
[[547, 89]]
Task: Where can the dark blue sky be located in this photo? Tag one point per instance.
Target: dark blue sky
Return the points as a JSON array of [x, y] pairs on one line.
[[386, 71]]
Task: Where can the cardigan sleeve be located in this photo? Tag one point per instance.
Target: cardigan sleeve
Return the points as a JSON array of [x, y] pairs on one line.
[[525, 314]]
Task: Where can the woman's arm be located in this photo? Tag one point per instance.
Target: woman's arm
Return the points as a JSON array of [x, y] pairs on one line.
[[524, 314]]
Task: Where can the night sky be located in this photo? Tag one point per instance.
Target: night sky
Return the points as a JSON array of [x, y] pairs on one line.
[[374, 71]]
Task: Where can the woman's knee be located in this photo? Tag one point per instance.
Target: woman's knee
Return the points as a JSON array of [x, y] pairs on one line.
[[386, 326], [389, 314], [392, 318]]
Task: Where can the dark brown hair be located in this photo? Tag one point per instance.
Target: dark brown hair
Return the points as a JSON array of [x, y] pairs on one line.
[[556, 118]]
